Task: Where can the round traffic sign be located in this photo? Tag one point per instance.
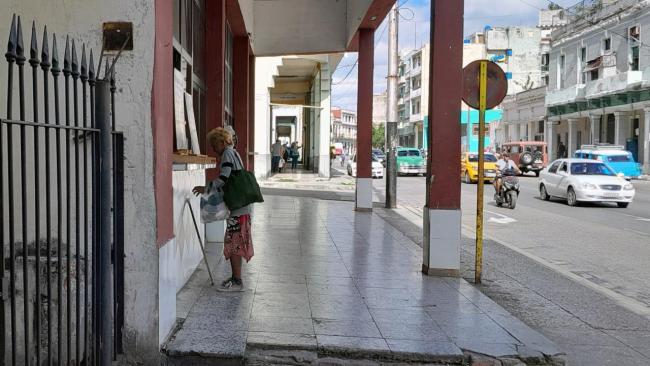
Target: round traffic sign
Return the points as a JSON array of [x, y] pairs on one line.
[[497, 84]]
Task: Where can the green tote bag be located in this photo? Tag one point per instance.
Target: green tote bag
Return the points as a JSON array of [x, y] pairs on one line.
[[241, 189]]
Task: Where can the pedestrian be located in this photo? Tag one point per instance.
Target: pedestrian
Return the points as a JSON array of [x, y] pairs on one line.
[[295, 155], [276, 154], [561, 150], [238, 242]]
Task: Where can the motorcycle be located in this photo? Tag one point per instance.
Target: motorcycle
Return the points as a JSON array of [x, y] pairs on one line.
[[509, 190]]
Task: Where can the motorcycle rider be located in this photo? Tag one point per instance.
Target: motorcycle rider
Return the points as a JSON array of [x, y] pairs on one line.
[[503, 164]]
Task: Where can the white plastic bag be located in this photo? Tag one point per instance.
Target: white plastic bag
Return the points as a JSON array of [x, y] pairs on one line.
[[213, 208]]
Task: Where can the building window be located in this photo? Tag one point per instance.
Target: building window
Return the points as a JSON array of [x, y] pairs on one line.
[[416, 61], [540, 127], [416, 83], [593, 74], [634, 58], [545, 59], [415, 106], [633, 52], [401, 70], [607, 44]]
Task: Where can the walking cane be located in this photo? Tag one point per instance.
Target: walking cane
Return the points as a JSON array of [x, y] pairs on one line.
[[198, 236]]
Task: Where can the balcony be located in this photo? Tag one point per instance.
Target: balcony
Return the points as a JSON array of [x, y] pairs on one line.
[[415, 93], [415, 118], [613, 84], [567, 95]]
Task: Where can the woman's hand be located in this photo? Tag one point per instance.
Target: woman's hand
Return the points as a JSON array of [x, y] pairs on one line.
[[198, 190]]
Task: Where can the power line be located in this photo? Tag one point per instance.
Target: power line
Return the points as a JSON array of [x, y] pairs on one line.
[[529, 4], [356, 62]]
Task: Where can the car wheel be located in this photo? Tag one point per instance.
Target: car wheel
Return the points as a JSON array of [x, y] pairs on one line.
[[622, 204], [571, 198], [468, 180], [543, 194]]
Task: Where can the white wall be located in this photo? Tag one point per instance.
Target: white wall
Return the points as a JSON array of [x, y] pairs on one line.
[[82, 20], [265, 69]]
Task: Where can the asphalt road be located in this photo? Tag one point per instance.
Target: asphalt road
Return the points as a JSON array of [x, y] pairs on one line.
[[606, 246]]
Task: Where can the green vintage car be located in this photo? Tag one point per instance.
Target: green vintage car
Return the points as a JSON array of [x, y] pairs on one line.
[[410, 161]]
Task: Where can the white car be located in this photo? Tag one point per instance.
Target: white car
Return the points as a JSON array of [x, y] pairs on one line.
[[583, 180], [377, 168]]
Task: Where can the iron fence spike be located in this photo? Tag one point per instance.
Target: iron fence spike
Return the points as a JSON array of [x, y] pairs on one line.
[[91, 68], [66, 56], [45, 51], [84, 66], [20, 46], [55, 56], [75, 62], [11, 45], [33, 49]]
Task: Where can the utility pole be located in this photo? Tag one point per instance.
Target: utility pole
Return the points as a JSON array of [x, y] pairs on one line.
[[391, 112]]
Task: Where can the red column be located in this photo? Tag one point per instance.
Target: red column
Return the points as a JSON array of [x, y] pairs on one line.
[[251, 110], [241, 95], [162, 115], [364, 118], [364, 102], [442, 213], [215, 55], [445, 92]]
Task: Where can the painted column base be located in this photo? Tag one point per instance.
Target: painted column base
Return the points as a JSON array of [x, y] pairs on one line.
[[262, 165], [324, 166], [441, 242], [364, 194]]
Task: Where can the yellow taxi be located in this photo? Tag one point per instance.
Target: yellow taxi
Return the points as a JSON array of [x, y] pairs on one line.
[[469, 167]]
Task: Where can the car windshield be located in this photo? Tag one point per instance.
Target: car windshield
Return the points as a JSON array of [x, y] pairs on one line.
[[408, 153], [591, 169], [377, 152], [489, 158], [618, 158]]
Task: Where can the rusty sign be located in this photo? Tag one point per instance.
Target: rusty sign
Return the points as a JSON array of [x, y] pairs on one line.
[[497, 84]]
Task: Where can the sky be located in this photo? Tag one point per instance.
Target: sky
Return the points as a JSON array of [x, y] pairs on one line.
[[414, 32]]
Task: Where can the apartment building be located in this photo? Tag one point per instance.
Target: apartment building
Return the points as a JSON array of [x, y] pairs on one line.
[[344, 129], [599, 77]]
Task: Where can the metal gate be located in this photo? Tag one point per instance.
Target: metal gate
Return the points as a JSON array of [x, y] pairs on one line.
[[61, 195]]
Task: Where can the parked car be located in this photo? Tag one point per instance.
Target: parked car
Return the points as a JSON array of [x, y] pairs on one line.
[[584, 180], [410, 161], [469, 167], [381, 157], [615, 156], [530, 156], [377, 169]]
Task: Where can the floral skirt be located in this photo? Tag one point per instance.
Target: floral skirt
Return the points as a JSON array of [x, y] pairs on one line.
[[238, 240]]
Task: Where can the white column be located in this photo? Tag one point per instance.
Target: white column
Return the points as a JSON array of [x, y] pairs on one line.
[[621, 122], [325, 121], [595, 128], [645, 140], [573, 137], [548, 133]]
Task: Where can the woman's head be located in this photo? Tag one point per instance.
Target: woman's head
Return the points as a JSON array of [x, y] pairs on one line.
[[219, 138]]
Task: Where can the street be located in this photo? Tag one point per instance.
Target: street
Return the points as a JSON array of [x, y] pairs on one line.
[[602, 244]]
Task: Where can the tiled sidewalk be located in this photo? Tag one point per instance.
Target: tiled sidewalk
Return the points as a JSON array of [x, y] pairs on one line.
[[336, 282]]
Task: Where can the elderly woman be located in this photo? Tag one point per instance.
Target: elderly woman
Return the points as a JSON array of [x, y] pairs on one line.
[[238, 241]]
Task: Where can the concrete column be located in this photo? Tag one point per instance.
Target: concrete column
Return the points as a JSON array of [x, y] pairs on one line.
[[573, 136], [549, 135], [645, 140], [594, 128], [364, 119], [325, 122], [621, 124], [442, 214]]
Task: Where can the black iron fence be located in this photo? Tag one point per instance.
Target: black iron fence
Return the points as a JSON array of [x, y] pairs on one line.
[[62, 202]]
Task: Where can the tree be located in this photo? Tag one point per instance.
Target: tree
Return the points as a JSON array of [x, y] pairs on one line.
[[379, 136]]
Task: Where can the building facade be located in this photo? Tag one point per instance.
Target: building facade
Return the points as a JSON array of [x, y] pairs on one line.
[[413, 105], [599, 78], [344, 129]]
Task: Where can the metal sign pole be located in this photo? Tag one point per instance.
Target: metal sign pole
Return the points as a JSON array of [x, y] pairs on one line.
[[481, 168]]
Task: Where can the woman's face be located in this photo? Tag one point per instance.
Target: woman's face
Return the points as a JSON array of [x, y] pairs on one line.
[[219, 147]]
